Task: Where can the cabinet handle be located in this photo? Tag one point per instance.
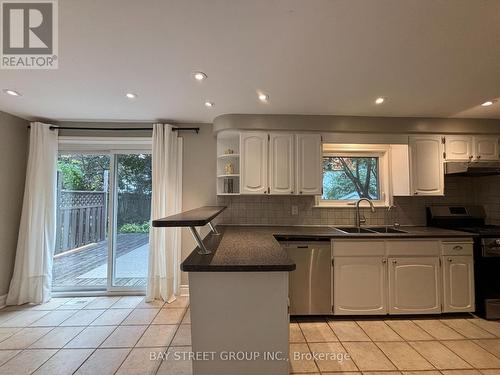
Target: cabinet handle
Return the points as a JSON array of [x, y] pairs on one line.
[[291, 192], [394, 261], [478, 157], [384, 260], [450, 260], [300, 192], [471, 157], [458, 247], [265, 191]]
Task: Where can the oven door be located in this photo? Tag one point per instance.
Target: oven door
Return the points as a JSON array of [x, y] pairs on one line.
[[490, 247]]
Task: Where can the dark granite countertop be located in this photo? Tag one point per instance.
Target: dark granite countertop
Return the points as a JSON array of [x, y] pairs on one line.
[[256, 249], [192, 218]]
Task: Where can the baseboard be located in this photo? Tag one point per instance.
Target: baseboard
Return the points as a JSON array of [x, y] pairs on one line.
[[184, 290], [3, 301]]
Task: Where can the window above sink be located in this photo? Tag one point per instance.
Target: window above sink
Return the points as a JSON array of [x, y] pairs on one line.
[[354, 171]]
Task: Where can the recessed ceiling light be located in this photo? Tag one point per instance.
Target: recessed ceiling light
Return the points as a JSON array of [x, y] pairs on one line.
[[199, 76], [380, 100], [131, 95], [488, 103], [263, 97], [11, 92], [209, 104]]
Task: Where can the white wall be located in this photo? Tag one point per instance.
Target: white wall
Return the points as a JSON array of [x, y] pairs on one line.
[[198, 177]]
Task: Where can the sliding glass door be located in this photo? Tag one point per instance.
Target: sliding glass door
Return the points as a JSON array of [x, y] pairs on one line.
[[103, 213], [131, 220]]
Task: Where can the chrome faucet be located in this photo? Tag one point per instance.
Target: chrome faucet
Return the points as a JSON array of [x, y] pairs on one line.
[[360, 219]]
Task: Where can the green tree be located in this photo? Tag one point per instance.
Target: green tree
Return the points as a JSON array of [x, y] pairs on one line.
[[345, 176]]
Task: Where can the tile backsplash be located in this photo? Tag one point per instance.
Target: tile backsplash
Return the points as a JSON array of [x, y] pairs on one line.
[[277, 210]]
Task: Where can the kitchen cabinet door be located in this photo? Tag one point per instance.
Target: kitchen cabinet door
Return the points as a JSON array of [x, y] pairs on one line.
[[281, 163], [360, 286], [309, 169], [485, 148], [458, 284], [426, 165], [400, 170], [254, 162], [414, 285], [458, 148]]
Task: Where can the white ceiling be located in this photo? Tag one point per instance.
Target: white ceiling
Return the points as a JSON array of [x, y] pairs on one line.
[[438, 58]]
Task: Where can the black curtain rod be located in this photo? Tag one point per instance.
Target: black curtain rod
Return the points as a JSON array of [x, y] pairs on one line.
[[197, 130]]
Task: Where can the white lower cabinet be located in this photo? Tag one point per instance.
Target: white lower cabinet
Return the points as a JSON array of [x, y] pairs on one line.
[[414, 276], [458, 284], [360, 286], [414, 285]]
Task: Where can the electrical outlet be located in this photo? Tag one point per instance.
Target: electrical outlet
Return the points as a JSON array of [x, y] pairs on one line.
[[295, 210]]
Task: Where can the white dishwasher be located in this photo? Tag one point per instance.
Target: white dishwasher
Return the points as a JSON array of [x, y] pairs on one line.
[[310, 285]]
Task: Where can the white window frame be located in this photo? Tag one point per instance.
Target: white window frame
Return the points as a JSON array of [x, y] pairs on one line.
[[361, 150]]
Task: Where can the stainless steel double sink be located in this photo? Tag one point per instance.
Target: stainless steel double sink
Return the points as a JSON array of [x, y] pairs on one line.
[[369, 230]]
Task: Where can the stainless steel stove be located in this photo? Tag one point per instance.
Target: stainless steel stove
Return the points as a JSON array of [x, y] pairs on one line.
[[472, 219]]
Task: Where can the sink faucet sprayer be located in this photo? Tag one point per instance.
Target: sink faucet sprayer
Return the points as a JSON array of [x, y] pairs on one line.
[[360, 219]]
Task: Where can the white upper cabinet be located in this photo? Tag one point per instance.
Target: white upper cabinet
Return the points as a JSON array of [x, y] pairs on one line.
[[309, 169], [414, 285], [254, 162], [400, 170], [426, 165], [458, 284], [470, 148], [485, 148], [281, 163], [458, 148]]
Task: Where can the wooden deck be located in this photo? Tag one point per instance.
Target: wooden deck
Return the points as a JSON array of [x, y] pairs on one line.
[[69, 266]]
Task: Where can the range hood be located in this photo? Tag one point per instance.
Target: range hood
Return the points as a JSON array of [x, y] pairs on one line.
[[482, 168]]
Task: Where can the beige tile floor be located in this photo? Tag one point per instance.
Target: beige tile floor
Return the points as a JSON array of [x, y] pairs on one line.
[[116, 335], [457, 345], [98, 335]]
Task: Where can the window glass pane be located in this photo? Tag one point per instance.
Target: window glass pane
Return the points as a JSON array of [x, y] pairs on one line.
[[349, 178], [81, 253], [133, 213]]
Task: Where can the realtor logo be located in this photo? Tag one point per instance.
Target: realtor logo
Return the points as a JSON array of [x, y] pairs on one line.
[[29, 34]]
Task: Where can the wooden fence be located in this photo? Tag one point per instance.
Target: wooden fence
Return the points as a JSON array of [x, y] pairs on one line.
[[82, 216], [81, 219]]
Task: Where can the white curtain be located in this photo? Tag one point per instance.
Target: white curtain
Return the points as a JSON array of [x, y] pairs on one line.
[[32, 278], [166, 199]]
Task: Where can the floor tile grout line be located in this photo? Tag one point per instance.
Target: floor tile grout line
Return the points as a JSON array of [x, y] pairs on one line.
[[405, 342], [446, 325], [308, 347], [496, 356], [444, 320], [139, 339], [173, 337], [373, 342], [476, 325], [458, 355], [473, 343]]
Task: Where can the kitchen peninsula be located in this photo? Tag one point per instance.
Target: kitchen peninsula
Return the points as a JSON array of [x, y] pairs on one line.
[[239, 290]]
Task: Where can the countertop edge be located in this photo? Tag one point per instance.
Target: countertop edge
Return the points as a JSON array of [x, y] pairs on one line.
[[195, 262]]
